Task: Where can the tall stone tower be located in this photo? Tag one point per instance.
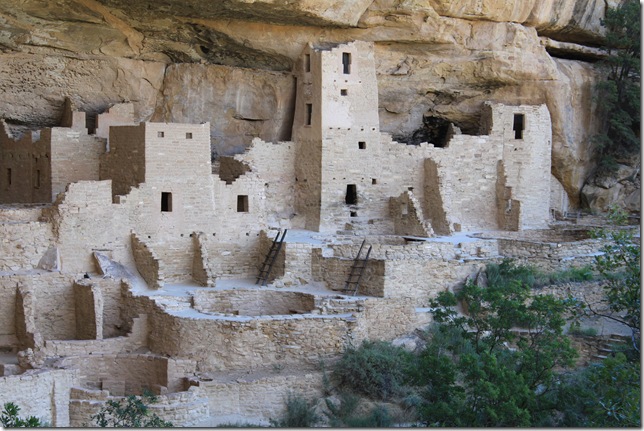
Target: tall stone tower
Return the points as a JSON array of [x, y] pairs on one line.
[[337, 131]]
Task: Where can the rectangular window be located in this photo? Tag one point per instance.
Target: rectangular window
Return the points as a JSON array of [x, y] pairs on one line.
[[160, 134], [362, 145], [351, 197], [307, 62], [166, 202], [518, 126], [309, 113], [9, 176], [344, 92], [374, 181], [346, 63], [188, 135], [242, 203]]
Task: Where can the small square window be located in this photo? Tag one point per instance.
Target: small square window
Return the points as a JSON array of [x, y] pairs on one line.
[[362, 145], [188, 135], [344, 92], [160, 134], [354, 214], [166, 202], [374, 181], [242, 203]]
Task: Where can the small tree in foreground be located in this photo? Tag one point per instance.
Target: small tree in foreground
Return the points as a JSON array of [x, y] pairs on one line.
[[130, 412], [9, 418]]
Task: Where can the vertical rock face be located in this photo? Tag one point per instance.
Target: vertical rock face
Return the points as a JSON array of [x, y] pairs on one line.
[[229, 63]]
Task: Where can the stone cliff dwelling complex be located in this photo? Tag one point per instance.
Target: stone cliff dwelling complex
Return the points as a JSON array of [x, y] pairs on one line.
[[130, 260]]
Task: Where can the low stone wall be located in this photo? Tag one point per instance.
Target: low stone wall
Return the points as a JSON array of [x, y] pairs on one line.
[[147, 262], [136, 339], [130, 374], [253, 302], [259, 399], [182, 408]]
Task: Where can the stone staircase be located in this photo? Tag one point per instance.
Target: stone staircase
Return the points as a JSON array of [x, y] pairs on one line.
[[609, 346]]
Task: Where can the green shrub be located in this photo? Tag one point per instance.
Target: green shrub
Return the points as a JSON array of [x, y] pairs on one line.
[[130, 412], [376, 369], [9, 418], [299, 413]]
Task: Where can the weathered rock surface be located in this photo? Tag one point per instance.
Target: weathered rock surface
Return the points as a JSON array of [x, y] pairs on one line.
[[434, 58]]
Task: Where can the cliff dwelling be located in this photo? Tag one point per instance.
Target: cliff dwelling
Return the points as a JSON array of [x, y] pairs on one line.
[[131, 260]]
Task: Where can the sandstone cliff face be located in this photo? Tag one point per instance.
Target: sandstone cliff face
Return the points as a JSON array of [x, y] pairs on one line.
[[228, 62]]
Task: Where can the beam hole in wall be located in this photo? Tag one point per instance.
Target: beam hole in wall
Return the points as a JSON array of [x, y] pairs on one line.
[[351, 197], [354, 214], [374, 181], [160, 134], [346, 63], [309, 113], [166, 202], [242, 203], [188, 135], [518, 125], [344, 92], [362, 145]]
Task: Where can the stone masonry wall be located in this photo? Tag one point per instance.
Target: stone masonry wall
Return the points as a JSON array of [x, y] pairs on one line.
[[41, 393], [74, 157], [22, 244], [253, 302], [147, 262]]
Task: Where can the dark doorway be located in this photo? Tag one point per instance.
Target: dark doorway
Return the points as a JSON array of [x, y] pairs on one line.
[[166, 202], [351, 197], [518, 126]]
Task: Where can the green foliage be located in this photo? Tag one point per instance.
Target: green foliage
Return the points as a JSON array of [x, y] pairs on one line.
[[620, 92], [299, 413], [620, 266], [509, 272], [130, 412], [375, 369], [9, 418], [606, 394], [343, 414], [469, 371]]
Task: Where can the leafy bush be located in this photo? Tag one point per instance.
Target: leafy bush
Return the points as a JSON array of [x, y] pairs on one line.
[[605, 394], [9, 418], [130, 412], [376, 369], [299, 413]]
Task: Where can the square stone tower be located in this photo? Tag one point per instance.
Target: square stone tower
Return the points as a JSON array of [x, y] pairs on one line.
[[337, 131]]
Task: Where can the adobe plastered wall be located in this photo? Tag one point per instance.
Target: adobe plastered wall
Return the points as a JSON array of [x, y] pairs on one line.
[[25, 168], [124, 163]]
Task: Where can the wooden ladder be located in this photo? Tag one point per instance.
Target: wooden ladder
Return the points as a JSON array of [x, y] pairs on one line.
[[267, 266], [357, 269]]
